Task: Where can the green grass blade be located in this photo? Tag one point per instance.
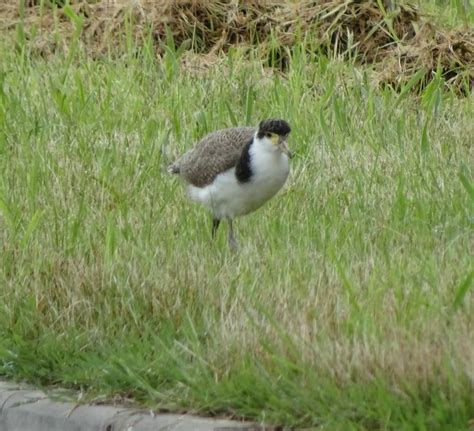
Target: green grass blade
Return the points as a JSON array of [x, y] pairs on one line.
[[463, 290]]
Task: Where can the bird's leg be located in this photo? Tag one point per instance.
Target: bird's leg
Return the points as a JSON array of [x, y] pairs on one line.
[[215, 225], [231, 239]]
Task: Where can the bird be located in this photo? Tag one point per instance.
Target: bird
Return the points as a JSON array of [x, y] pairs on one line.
[[234, 171]]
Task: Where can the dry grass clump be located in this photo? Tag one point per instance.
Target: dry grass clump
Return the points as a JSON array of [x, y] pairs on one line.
[[398, 39], [431, 48]]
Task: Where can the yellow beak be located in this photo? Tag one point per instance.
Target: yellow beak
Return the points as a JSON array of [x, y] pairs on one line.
[[282, 144]]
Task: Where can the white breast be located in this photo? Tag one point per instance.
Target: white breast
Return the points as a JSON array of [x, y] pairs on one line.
[[228, 198]]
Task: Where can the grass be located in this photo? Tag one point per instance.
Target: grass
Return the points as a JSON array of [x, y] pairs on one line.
[[450, 12], [349, 305]]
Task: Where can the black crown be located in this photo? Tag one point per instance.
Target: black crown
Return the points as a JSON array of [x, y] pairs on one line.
[[280, 127]]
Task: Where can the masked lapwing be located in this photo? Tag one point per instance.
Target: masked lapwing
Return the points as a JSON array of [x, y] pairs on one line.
[[233, 172]]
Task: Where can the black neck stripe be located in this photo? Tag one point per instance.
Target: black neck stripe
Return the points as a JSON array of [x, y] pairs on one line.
[[243, 170]]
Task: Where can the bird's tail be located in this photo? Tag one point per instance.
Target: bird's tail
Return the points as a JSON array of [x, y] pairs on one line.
[[173, 169]]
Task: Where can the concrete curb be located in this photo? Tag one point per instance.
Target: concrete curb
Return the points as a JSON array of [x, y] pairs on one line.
[[26, 409]]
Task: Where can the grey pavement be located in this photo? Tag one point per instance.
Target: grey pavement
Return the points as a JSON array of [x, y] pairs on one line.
[[26, 409]]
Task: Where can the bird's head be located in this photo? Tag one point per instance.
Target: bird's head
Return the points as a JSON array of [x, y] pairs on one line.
[[275, 131]]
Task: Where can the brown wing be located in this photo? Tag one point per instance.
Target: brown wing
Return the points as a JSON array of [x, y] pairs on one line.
[[215, 153]]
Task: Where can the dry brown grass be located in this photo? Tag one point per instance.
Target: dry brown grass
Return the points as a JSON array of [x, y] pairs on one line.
[[399, 41]]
